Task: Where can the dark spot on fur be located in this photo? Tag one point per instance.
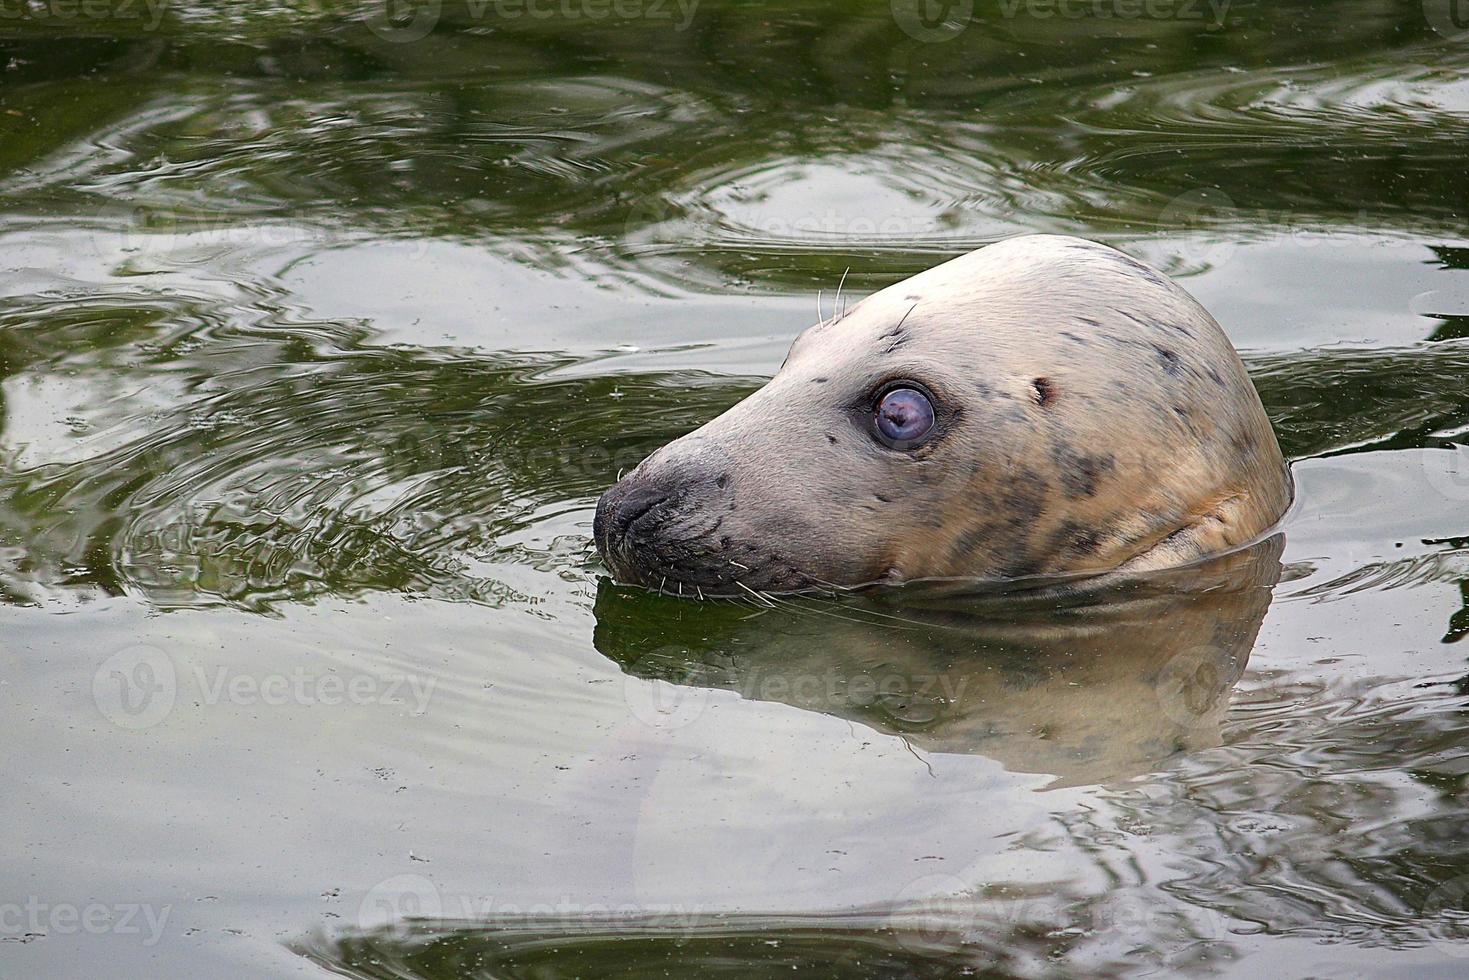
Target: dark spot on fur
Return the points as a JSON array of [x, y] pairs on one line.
[[1081, 472], [1045, 391], [1068, 335], [895, 336], [1019, 501], [886, 500], [831, 438], [1172, 364], [722, 481], [1021, 567], [1139, 269], [1075, 538], [819, 381], [1215, 377]]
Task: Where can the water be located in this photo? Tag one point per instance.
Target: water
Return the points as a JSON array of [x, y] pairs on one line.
[[320, 334]]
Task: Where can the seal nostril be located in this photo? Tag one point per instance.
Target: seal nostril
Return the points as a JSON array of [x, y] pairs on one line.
[[620, 508]]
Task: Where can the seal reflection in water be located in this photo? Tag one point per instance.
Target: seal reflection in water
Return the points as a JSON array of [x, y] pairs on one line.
[[1043, 406], [1088, 688]]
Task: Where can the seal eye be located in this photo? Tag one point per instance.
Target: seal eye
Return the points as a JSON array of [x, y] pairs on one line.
[[903, 417]]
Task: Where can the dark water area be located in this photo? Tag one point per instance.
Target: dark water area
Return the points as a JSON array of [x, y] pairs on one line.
[[323, 324]]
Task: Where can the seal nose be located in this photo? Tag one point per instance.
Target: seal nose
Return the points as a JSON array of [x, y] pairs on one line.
[[620, 506]]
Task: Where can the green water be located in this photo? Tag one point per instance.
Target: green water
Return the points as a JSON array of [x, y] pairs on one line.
[[320, 333]]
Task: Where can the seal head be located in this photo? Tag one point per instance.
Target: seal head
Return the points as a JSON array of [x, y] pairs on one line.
[[1045, 406]]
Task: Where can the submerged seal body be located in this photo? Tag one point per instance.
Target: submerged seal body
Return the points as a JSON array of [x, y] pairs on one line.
[[1043, 406]]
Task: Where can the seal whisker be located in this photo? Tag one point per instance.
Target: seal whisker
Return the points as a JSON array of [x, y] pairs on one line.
[[904, 619], [756, 595], [913, 626], [837, 310], [910, 310]]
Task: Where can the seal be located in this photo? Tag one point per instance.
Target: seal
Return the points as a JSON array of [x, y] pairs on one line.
[[1041, 407]]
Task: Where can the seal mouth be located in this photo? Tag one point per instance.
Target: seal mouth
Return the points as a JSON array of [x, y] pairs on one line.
[[666, 530]]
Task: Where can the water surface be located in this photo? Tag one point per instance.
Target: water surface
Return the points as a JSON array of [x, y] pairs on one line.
[[320, 333]]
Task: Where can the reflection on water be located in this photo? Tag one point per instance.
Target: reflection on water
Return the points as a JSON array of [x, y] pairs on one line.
[[1089, 689], [317, 343]]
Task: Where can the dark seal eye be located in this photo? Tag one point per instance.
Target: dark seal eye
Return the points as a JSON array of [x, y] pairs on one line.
[[903, 417]]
